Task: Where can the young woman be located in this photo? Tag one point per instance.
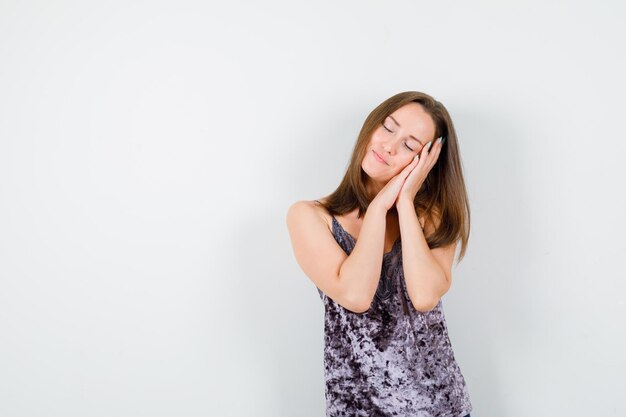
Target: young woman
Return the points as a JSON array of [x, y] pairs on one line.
[[380, 250]]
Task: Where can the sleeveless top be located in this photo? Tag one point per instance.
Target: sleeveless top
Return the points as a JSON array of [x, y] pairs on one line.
[[391, 360]]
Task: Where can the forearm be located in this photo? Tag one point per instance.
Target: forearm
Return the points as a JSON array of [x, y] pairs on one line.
[[360, 272], [424, 278]]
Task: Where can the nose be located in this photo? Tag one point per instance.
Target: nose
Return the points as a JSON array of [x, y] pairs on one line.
[[388, 147]]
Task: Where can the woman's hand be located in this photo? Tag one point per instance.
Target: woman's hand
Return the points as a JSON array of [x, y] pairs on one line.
[[414, 180], [388, 195]]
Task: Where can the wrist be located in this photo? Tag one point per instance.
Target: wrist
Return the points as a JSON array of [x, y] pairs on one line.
[[405, 202], [377, 208]]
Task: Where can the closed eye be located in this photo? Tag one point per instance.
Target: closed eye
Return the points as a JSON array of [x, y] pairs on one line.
[[407, 146]]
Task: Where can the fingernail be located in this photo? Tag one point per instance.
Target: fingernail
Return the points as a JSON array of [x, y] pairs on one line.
[[416, 158], [428, 146], [439, 139], [444, 140]]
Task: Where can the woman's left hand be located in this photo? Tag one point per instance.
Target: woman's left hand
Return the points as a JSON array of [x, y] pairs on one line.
[[416, 177]]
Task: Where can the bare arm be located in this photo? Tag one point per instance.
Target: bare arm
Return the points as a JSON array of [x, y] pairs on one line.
[[360, 272], [349, 280], [426, 280]]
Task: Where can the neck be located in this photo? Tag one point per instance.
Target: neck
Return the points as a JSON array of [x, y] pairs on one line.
[[373, 187]]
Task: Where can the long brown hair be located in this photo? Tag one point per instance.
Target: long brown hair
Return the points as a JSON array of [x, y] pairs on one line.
[[443, 193]]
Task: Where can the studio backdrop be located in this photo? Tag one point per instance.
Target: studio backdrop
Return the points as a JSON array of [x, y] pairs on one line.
[[149, 152]]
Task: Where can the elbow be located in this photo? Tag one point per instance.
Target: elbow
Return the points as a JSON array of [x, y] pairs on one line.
[[423, 302], [360, 306], [362, 309], [358, 310], [354, 303], [426, 305], [357, 306]]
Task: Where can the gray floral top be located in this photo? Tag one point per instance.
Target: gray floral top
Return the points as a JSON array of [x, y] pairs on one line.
[[391, 360]]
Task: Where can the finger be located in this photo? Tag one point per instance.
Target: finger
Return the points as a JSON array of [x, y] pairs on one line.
[[411, 165], [414, 163], [435, 156], [438, 149], [423, 156], [434, 150], [430, 155], [426, 150], [414, 166], [429, 147]]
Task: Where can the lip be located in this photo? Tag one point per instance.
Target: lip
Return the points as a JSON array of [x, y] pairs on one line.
[[380, 158]]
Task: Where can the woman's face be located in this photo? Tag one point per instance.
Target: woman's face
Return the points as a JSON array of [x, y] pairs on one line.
[[400, 137]]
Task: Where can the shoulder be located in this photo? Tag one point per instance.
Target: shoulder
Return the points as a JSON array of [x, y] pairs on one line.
[[308, 211]]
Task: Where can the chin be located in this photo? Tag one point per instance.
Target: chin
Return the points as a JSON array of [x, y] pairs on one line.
[[377, 178]]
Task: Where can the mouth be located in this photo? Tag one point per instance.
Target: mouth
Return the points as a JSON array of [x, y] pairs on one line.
[[379, 158]]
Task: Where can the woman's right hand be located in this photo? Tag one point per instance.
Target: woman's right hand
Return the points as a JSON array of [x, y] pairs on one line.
[[387, 196]]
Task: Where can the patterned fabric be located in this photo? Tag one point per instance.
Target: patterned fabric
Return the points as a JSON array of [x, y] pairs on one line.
[[391, 360]]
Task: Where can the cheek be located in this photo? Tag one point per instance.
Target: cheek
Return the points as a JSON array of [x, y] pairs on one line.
[[403, 165], [376, 137]]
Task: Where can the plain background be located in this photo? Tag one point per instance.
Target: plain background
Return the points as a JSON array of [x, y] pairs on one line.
[[149, 152]]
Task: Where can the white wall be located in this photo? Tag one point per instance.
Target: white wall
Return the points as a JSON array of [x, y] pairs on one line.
[[149, 152]]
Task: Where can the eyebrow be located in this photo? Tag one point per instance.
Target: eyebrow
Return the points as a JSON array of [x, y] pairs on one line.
[[396, 122]]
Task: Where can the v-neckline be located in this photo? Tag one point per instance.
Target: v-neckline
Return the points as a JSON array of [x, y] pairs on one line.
[[393, 247]]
